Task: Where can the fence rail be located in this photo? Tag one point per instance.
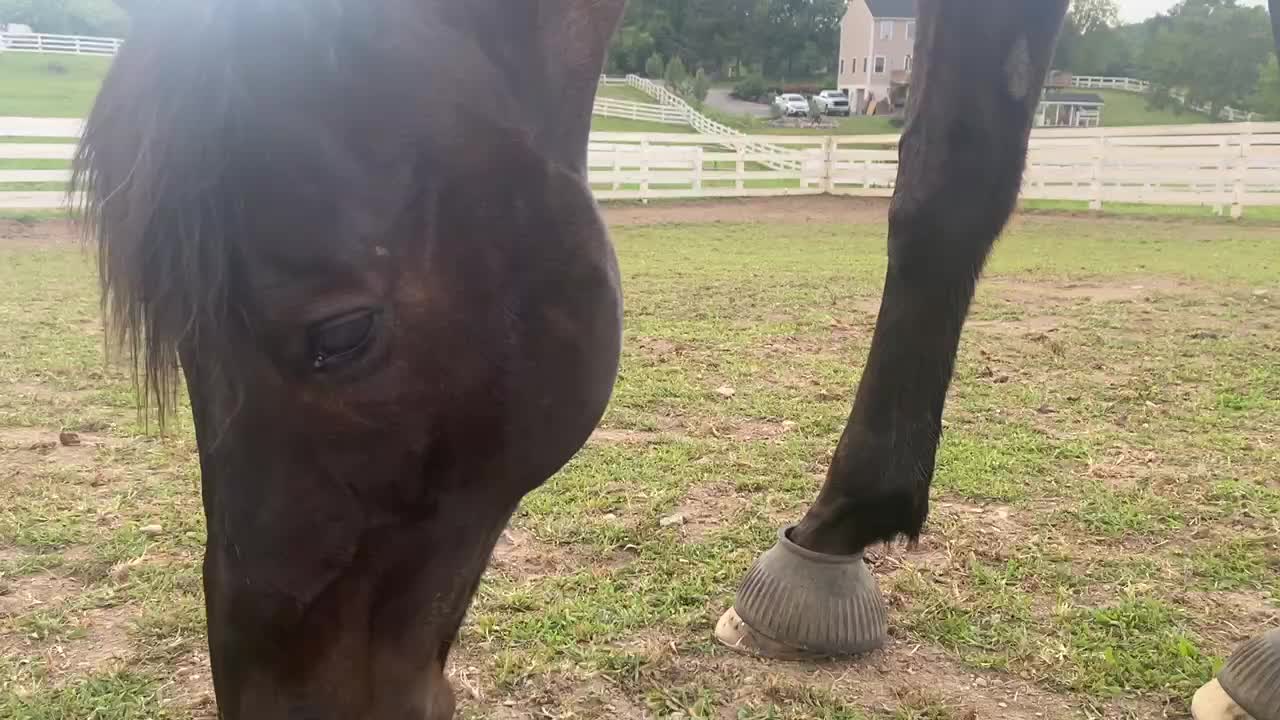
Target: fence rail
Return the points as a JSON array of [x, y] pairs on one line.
[[1127, 84], [1178, 164], [608, 107], [780, 159], [59, 44]]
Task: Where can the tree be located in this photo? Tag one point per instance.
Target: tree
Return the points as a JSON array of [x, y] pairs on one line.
[[67, 17], [676, 74], [1266, 99], [655, 67], [1089, 43], [700, 87], [1087, 16], [735, 38], [1213, 50]]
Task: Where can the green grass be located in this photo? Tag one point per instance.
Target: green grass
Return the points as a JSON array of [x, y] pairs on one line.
[[1103, 530], [1126, 109], [35, 85], [625, 92], [1259, 213], [609, 124]]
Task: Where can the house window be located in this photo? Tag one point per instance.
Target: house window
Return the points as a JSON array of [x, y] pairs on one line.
[[841, 66], [911, 31], [906, 64], [886, 30], [879, 64], [865, 64]]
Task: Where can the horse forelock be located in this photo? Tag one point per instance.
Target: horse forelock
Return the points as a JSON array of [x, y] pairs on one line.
[[225, 116]]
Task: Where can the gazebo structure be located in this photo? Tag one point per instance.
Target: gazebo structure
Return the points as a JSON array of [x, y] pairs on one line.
[[1061, 108]]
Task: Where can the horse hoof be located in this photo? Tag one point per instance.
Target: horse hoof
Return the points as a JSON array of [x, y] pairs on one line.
[[1213, 703], [738, 636], [1249, 682], [798, 604]]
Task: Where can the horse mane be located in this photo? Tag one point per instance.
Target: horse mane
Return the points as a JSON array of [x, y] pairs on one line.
[[205, 95], [142, 161]]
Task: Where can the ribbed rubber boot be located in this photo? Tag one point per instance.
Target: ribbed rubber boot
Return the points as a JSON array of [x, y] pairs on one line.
[[1252, 676], [822, 604]]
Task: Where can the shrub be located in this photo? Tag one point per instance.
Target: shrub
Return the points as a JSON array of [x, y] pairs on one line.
[[676, 74], [654, 67], [805, 89], [750, 88], [700, 87], [815, 112]]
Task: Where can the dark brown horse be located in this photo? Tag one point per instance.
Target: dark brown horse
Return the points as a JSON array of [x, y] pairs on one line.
[[363, 232]]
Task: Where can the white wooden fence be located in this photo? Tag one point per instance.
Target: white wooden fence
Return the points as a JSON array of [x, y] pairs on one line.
[[59, 44], [609, 107], [1097, 82], [1196, 165], [780, 159]]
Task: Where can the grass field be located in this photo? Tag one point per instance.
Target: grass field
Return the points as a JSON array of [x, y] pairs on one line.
[[64, 86], [625, 92], [34, 85], [1126, 109], [1105, 521]]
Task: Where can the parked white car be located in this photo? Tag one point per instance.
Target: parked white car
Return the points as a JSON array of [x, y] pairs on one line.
[[792, 104], [832, 102]]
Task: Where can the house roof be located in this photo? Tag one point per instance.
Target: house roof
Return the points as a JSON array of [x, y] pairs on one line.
[[892, 8], [1075, 98]]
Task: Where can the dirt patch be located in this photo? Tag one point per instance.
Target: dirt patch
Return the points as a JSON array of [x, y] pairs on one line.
[[518, 554], [192, 688], [23, 595], [1131, 290], [739, 429], [611, 436], [1227, 618], [705, 509], [905, 674], [99, 639], [44, 231], [68, 450], [1032, 327], [105, 642], [808, 208]]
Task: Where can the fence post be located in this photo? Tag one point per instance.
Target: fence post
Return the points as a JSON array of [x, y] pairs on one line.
[[1095, 187], [1220, 189], [1241, 170], [617, 168], [740, 165], [644, 169], [697, 169], [829, 164]]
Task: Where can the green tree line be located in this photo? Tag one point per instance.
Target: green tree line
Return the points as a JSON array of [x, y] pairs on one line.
[[781, 39], [67, 17], [1219, 52]]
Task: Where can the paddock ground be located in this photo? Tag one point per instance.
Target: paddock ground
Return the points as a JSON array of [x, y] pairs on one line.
[[1105, 517]]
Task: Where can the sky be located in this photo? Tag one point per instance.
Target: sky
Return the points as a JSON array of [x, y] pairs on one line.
[[1136, 10]]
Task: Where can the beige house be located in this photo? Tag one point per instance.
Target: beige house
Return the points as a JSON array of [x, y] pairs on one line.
[[876, 41]]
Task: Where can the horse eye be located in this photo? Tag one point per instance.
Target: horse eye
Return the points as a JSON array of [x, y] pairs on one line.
[[341, 340]]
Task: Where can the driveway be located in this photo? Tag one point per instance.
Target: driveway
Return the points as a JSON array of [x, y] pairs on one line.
[[720, 100]]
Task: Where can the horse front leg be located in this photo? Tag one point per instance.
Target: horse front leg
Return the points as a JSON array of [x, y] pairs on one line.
[[980, 65]]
